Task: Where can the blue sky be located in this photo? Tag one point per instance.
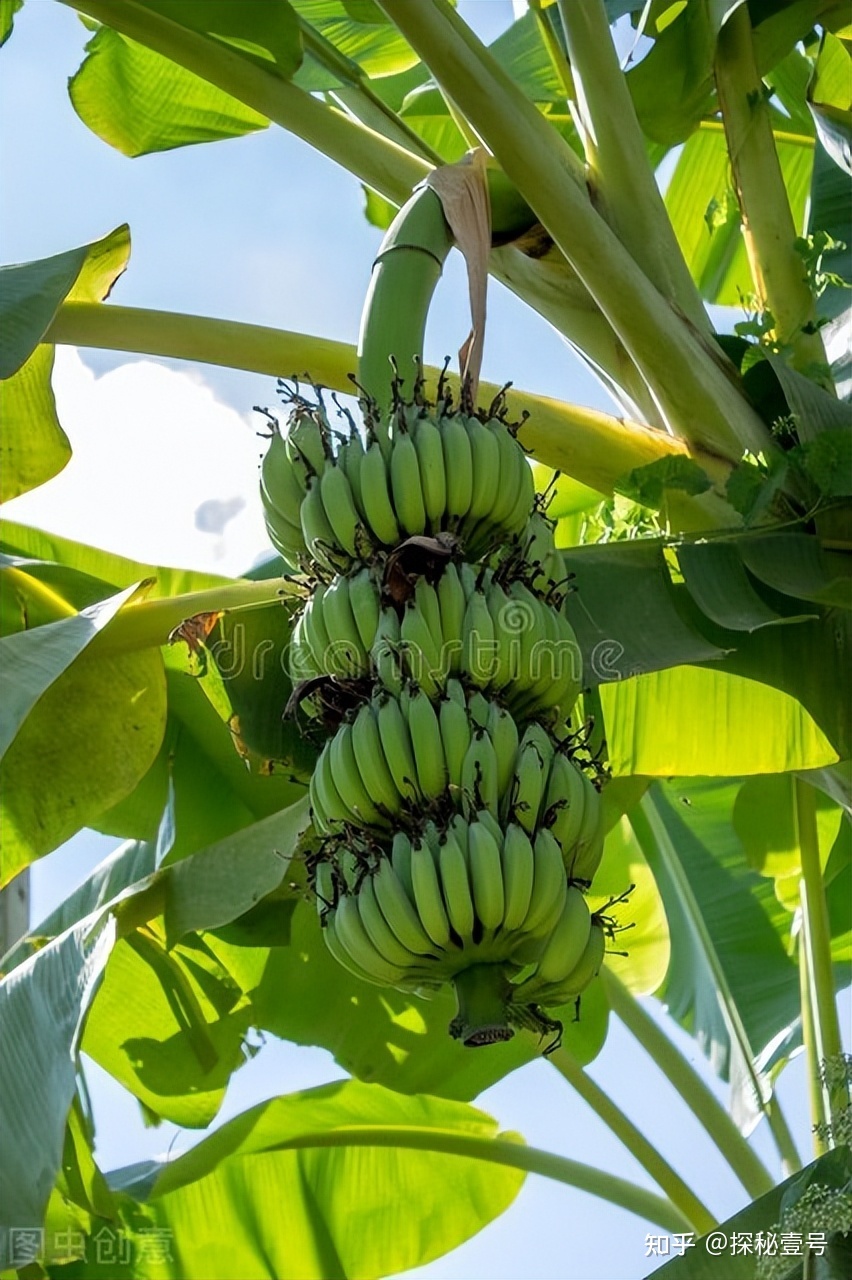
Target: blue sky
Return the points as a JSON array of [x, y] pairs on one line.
[[262, 229]]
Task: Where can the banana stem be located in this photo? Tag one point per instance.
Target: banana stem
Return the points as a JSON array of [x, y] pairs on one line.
[[407, 269], [617, 162], [816, 1094], [594, 447], [148, 624], [704, 1105], [481, 992], [500, 1150], [817, 942], [768, 229], [699, 1216]]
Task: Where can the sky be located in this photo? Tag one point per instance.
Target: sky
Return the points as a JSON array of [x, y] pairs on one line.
[[263, 230]]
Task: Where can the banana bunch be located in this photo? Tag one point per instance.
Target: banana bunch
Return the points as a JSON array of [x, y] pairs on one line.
[[549, 790], [503, 639], [336, 631], [399, 752], [468, 895], [430, 472]]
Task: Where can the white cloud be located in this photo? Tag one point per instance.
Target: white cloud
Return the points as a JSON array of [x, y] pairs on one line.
[[152, 447]]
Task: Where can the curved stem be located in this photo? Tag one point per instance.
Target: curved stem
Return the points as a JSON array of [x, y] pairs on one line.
[[618, 166], [699, 1216], [817, 941], [496, 1151], [701, 1101], [407, 269], [768, 229]]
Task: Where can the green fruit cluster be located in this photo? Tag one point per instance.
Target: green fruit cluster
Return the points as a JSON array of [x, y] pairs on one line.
[[457, 833], [434, 471]]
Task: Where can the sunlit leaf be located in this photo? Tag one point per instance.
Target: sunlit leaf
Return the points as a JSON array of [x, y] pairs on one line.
[[8, 9], [639, 955], [378, 1034], [140, 102], [376, 47], [33, 446], [86, 744], [355, 1211]]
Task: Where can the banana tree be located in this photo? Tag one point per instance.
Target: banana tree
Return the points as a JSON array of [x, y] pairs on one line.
[[704, 528]]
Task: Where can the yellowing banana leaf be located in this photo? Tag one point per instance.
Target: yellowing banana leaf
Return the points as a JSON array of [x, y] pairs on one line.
[[33, 446], [42, 1009], [141, 102]]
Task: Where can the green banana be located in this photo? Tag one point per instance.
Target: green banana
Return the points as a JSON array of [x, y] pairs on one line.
[[319, 535], [426, 600], [406, 485], [477, 658], [350, 458], [504, 734], [452, 865], [385, 653], [587, 968], [589, 831], [303, 665], [305, 437], [587, 859], [370, 757], [486, 875], [345, 648], [479, 775], [396, 744], [421, 655], [401, 862], [379, 931], [280, 479], [427, 894], [355, 940], [316, 632], [365, 599], [455, 736], [427, 743], [340, 953], [564, 947], [433, 479], [339, 508], [565, 803], [485, 462], [376, 504], [458, 468], [549, 884], [528, 789], [348, 779], [452, 605], [518, 862]]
